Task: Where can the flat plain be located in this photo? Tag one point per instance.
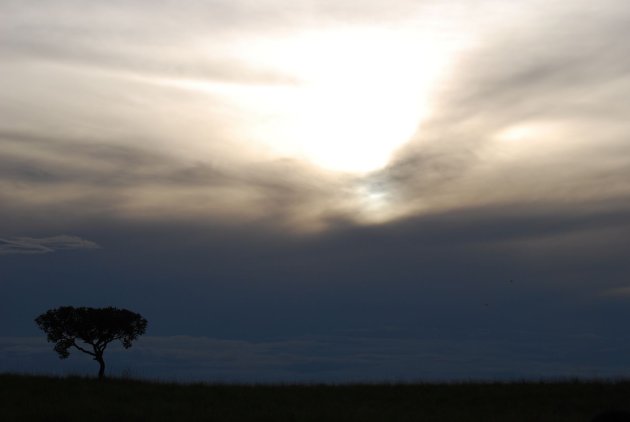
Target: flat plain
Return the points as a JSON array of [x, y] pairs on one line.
[[41, 398]]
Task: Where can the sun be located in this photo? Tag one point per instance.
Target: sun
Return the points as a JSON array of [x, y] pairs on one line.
[[355, 94], [360, 95]]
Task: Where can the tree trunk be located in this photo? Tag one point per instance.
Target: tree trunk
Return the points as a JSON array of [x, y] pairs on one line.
[[101, 369]]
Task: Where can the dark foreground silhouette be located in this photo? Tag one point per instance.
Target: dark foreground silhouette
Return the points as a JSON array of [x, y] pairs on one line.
[[27, 398], [90, 330], [612, 416]]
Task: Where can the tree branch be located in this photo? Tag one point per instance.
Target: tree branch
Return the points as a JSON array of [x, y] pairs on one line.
[[74, 343]]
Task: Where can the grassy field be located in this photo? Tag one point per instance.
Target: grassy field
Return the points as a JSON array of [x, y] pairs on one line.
[[34, 398]]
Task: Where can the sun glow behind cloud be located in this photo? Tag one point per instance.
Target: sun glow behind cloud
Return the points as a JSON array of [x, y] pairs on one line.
[[309, 114], [358, 93]]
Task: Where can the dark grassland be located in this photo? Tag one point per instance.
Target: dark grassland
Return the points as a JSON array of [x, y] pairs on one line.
[[35, 398]]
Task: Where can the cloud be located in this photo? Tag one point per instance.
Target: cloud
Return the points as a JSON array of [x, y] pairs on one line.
[[263, 304], [31, 245], [618, 292], [523, 355], [518, 171], [140, 150], [518, 74], [560, 90], [80, 179], [191, 46]]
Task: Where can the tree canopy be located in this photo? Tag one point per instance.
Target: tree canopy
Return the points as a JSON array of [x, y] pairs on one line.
[[90, 330]]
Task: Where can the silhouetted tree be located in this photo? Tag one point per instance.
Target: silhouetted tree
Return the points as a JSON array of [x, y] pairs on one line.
[[90, 330]]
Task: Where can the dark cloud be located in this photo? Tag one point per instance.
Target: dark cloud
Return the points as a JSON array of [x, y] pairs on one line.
[[116, 181], [337, 358], [489, 293]]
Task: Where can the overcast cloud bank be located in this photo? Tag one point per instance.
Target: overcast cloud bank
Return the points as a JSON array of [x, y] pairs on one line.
[[474, 356]]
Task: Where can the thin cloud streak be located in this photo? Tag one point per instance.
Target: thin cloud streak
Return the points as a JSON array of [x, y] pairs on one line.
[[31, 245]]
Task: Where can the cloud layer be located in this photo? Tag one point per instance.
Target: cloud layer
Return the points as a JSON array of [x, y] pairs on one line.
[[332, 358], [530, 110], [507, 211]]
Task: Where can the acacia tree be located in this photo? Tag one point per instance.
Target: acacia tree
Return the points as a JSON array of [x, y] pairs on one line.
[[90, 330]]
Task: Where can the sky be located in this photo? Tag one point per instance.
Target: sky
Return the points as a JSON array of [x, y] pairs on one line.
[[320, 191]]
